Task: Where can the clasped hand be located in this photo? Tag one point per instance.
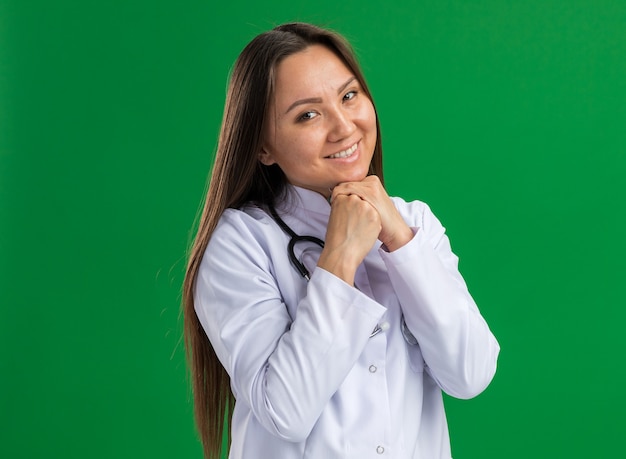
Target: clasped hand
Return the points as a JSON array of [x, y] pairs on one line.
[[361, 212]]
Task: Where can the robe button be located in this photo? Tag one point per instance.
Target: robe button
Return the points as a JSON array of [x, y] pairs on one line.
[[380, 449], [373, 368]]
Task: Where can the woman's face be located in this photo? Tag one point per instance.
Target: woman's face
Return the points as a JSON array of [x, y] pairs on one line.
[[321, 128]]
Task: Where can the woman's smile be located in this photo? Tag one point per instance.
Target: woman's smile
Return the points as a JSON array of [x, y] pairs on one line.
[[348, 152]]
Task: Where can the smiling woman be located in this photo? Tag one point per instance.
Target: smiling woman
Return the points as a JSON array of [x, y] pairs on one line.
[[351, 360], [321, 130]]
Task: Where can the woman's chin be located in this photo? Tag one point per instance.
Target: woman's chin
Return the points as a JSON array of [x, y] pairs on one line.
[[357, 177]]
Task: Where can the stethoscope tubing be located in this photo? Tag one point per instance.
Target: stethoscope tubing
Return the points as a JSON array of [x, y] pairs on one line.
[[295, 238]]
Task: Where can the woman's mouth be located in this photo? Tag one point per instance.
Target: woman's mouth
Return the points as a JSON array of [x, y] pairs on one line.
[[345, 153]]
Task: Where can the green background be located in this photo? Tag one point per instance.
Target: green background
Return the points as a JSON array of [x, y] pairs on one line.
[[507, 117]]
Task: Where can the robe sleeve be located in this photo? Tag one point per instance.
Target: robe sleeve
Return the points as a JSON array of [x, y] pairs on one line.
[[457, 345]]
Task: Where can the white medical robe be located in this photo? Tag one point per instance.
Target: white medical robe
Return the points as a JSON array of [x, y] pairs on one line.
[[309, 380]]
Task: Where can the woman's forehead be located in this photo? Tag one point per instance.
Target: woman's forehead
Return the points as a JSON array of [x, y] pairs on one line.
[[311, 72]]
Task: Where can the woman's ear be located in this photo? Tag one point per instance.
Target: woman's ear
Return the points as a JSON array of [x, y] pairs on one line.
[[266, 158]]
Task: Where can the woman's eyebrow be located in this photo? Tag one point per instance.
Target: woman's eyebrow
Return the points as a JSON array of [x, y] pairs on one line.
[[346, 84], [311, 100], [318, 100]]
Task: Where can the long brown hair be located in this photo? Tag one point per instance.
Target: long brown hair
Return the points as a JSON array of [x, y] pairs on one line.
[[238, 177]]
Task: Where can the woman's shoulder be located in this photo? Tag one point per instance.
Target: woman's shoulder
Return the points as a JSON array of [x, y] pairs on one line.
[[248, 225], [414, 205], [248, 214], [419, 215], [413, 211]]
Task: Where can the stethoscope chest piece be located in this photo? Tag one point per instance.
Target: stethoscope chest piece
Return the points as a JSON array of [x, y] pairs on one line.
[[408, 336]]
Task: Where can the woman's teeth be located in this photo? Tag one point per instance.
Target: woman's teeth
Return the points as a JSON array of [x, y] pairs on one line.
[[345, 153]]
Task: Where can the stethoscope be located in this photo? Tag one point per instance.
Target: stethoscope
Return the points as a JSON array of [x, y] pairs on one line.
[[295, 238]]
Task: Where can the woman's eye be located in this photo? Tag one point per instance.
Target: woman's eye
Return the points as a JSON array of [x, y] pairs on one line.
[[307, 116], [349, 95]]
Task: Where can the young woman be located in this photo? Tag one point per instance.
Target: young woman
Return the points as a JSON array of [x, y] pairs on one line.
[[324, 317]]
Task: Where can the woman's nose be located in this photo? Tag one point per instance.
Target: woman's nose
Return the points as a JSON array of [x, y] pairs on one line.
[[341, 125]]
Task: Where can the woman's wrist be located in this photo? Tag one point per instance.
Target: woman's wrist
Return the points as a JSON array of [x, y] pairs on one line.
[[398, 239], [338, 264]]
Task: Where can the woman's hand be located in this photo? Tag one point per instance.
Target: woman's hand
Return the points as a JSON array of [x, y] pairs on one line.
[[353, 227], [394, 232]]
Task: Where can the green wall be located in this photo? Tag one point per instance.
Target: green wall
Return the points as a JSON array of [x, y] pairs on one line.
[[507, 117]]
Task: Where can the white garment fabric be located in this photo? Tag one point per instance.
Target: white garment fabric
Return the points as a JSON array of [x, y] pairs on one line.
[[309, 380]]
